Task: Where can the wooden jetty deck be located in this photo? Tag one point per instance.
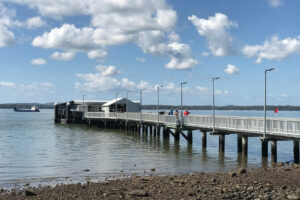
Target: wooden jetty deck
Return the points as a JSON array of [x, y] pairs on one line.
[[278, 129]]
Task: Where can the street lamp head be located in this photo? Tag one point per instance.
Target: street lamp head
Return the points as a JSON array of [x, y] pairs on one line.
[[215, 78], [270, 69], [182, 83]]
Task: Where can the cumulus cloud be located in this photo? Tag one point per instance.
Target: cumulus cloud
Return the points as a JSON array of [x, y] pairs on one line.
[[34, 22], [5, 84], [107, 70], [6, 37], [179, 53], [215, 30], [273, 49], [32, 87], [231, 69], [95, 54], [114, 23], [275, 3], [64, 56], [141, 59], [38, 61], [28, 89], [67, 37]]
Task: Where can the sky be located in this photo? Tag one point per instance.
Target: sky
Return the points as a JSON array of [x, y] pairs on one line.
[[60, 50]]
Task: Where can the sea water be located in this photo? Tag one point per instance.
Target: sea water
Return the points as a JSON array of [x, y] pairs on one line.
[[35, 150]]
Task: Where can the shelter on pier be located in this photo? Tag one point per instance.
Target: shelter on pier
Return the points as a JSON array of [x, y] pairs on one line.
[[73, 111], [121, 105]]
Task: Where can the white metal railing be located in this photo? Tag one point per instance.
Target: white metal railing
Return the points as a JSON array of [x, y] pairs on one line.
[[275, 126]]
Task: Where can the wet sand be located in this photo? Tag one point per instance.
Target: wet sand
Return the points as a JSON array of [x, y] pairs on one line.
[[279, 182]]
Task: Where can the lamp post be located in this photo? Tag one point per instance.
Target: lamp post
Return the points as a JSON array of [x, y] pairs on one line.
[[265, 105], [213, 80], [181, 121], [127, 105], [116, 105], [159, 86], [141, 99], [83, 98]]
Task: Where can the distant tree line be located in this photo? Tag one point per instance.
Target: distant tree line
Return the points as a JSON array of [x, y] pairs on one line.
[[26, 105], [166, 107]]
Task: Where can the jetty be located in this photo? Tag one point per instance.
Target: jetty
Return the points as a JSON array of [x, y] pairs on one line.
[[126, 115]]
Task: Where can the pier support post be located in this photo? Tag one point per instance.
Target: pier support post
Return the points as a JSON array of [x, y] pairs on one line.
[[177, 134], [204, 139], [264, 148], [222, 142], [150, 129], [296, 151], [154, 131], [190, 136], [158, 131], [273, 151], [239, 143], [68, 113], [56, 113], [244, 145], [166, 133]]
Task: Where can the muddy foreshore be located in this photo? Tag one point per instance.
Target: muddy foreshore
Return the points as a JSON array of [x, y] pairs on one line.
[[279, 182]]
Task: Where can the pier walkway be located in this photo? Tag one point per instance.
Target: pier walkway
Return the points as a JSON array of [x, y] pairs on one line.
[[276, 128]]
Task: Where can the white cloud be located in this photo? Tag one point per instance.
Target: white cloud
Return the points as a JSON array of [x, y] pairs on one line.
[[273, 49], [45, 86], [98, 82], [107, 70], [205, 53], [28, 89], [38, 61], [202, 90], [34, 22], [275, 3], [231, 69], [95, 54], [221, 92], [141, 59], [215, 30], [6, 37], [64, 56], [68, 37], [179, 53], [9, 85], [114, 23]]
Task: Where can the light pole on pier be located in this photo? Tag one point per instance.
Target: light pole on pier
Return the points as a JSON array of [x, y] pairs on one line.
[[265, 105], [83, 98], [213, 80], [141, 99], [181, 116], [159, 86], [127, 105], [116, 104]]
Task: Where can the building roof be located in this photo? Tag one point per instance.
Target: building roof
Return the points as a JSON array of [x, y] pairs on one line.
[[108, 103], [101, 102]]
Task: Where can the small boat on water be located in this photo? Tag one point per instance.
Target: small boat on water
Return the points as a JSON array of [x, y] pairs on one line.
[[33, 109]]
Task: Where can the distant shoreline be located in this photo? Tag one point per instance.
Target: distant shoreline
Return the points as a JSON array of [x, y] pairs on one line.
[[168, 107]]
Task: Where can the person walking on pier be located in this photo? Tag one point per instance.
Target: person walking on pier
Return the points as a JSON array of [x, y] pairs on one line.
[[186, 112], [176, 113]]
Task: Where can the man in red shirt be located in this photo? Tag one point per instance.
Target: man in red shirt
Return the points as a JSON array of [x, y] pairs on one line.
[[186, 112]]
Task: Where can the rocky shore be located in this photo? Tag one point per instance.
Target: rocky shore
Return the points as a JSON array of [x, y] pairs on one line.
[[279, 182]]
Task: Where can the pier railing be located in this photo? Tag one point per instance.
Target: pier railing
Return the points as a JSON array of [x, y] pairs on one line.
[[275, 126]]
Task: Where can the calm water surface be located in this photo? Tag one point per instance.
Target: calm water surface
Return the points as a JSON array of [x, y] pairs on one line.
[[33, 149]]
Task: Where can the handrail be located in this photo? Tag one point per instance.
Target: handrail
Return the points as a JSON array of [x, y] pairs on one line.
[[275, 126]]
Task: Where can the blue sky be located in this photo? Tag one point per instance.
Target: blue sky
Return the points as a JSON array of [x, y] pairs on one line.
[[59, 50]]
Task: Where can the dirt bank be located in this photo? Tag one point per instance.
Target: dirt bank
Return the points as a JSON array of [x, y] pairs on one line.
[[280, 182]]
